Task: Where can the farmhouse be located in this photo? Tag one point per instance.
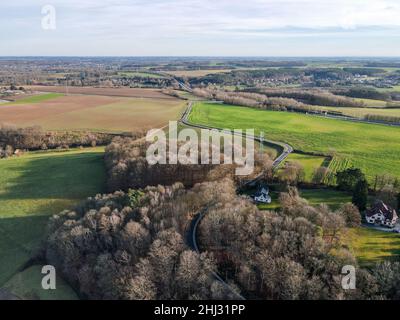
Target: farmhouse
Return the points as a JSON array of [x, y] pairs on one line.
[[382, 214], [262, 196]]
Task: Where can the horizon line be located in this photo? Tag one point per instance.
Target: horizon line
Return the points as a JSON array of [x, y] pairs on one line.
[[199, 56]]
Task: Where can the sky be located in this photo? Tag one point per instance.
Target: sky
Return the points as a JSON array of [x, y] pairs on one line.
[[200, 28]]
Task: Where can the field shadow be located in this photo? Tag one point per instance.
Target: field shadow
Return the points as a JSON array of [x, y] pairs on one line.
[[389, 251], [20, 238], [67, 176]]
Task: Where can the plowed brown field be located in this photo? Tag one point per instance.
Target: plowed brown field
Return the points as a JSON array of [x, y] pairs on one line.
[[92, 112]]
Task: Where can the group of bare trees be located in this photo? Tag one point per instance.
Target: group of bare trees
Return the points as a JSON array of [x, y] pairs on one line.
[[128, 167], [292, 173], [289, 98], [314, 97], [272, 256], [252, 100], [387, 189], [34, 138], [294, 254], [382, 118], [278, 100], [131, 245]]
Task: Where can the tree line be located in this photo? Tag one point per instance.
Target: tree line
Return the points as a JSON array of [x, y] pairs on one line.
[[313, 97], [127, 167], [34, 138]]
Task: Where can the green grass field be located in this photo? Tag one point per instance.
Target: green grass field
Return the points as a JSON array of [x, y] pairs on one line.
[[38, 98], [395, 88], [197, 73], [333, 198], [140, 74], [373, 148], [370, 246], [309, 163], [372, 102], [35, 186], [361, 112]]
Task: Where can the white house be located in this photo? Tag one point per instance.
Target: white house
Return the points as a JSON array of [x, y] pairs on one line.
[[262, 196], [382, 214]]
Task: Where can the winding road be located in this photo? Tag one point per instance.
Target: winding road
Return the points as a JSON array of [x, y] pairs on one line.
[[191, 236]]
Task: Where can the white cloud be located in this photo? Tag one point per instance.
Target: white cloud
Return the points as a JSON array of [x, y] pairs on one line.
[[202, 21]]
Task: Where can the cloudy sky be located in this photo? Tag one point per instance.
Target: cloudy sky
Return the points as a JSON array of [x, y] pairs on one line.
[[202, 27]]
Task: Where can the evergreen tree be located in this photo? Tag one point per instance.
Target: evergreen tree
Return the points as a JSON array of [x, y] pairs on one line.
[[398, 201], [360, 194], [348, 178]]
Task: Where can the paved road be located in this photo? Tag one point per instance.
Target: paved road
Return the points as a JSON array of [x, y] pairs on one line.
[[191, 237], [172, 77], [381, 228]]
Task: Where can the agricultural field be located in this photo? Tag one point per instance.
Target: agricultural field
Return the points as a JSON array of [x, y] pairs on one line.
[[373, 148], [362, 112], [393, 89], [110, 92], [132, 74], [197, 73], [371, 103], [309, 163], [371, 246], [36, 98], [337, 164], [36, 186], [91, 112]]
